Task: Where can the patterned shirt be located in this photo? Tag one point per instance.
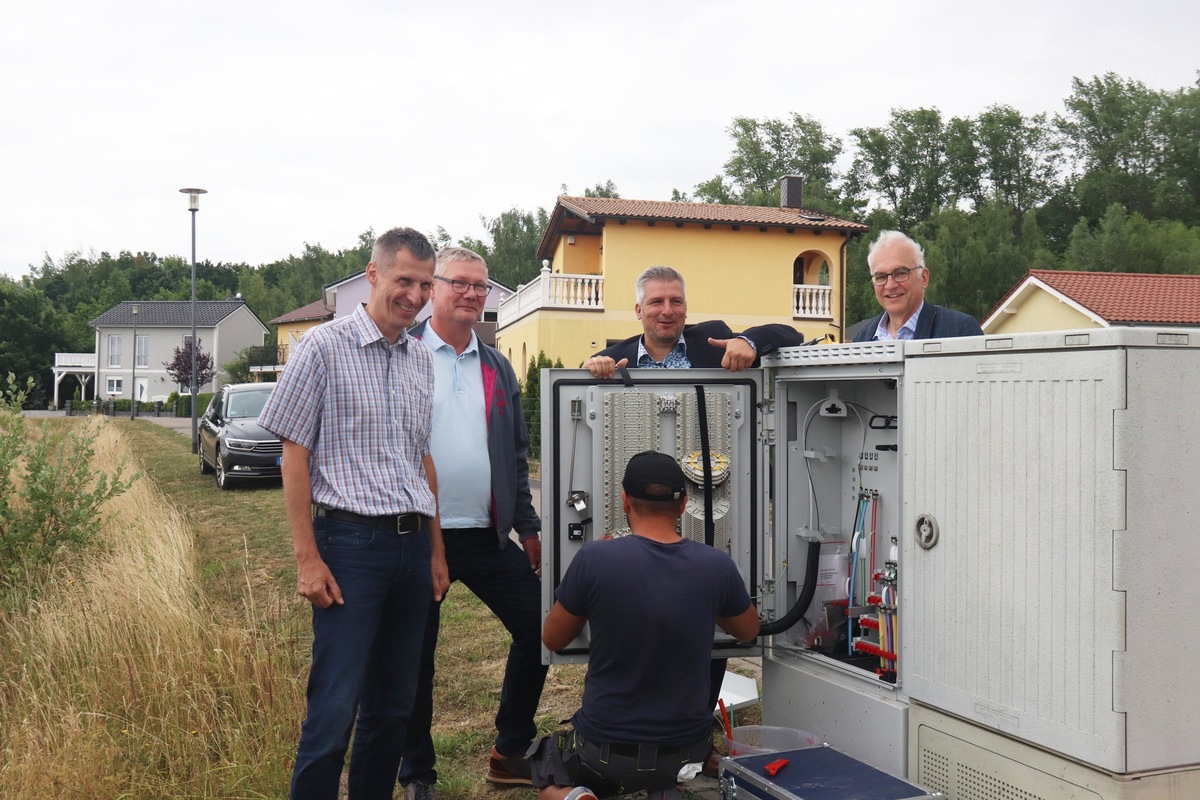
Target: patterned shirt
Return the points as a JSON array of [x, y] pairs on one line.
[[907, 331], [363, 408], [676, 359]]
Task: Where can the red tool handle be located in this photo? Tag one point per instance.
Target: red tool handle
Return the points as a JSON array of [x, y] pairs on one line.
[[773, 768]]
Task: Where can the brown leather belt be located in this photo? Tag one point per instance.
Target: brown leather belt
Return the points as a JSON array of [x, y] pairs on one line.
[[395, 523]]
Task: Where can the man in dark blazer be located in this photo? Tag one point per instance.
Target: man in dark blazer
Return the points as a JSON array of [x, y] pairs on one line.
[[898, 271], [668, 341]]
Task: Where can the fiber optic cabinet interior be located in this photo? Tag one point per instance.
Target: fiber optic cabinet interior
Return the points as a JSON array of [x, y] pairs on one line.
[[975, 558], [591, 429], [836, 667]]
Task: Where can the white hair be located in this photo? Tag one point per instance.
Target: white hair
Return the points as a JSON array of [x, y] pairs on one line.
[[888, 238]]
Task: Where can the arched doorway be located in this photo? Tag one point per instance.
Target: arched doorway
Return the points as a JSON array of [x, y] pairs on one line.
[[811, 292]]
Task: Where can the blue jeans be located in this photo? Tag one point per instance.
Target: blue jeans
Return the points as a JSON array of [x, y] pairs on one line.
[[366, 656], [504, 581]]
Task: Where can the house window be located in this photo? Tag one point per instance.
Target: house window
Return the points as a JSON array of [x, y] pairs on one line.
[[116, 385], [490, 316], [114, 349], [142, 348]]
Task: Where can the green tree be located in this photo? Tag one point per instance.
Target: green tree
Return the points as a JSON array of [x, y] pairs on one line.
[[1177, 193], [511, 255], [974, 259], [606, 189], [31, 332], [531, 394], [1128, 242], [237, 370], [904, 164], [1018, 157], [766, 150], [1112, 127]]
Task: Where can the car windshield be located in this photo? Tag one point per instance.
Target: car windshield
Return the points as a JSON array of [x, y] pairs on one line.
[[247, 404]]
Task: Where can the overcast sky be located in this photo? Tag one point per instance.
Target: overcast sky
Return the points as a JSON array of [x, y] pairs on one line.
[[313, 121]]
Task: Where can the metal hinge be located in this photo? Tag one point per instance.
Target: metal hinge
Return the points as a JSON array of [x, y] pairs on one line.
[[766, 411]]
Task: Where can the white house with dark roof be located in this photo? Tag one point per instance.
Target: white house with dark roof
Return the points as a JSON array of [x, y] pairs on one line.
[[136, 338]]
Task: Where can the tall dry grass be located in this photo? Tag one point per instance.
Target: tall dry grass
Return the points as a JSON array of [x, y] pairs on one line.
[[117, 681]]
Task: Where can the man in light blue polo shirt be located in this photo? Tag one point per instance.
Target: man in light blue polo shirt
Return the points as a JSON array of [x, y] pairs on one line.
[[479, 445]]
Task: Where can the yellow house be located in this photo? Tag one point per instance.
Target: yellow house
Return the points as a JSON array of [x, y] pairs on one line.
[[1060, 300], [747, 265], [267, 362]]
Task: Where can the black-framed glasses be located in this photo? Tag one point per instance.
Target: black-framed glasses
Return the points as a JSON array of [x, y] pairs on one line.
[[899, 275], [481, 289]]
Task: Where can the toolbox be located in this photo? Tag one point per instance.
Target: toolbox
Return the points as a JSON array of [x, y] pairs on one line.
[[811, 773]]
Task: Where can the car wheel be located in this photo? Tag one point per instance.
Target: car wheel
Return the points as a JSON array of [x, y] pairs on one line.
[[223, 479], [205, 468]]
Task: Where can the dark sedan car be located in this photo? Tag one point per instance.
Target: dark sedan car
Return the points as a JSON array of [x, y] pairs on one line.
[[232, 443]]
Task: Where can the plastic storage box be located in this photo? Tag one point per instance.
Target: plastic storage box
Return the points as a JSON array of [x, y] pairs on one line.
[[753, 740]]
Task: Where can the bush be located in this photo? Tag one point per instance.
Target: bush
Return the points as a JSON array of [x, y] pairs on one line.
[[52, 493], [531, 400], [183, 404]]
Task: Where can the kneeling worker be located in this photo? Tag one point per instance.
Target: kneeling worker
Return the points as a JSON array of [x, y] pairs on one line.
[[652, 599]]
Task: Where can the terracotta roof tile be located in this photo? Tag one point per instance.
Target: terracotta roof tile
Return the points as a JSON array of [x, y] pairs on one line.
[[704, 212], [1130, 296]]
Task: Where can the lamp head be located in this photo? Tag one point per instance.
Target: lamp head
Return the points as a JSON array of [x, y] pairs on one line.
[[193, 197]]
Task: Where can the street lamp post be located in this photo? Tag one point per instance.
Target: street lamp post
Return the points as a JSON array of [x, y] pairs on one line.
[[133, 369], [194, 206]]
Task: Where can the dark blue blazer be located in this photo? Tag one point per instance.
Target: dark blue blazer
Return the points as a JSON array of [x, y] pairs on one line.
[[935, 322], [702, 355]]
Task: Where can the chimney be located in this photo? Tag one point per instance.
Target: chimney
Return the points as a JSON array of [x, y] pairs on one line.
[[791, 192]]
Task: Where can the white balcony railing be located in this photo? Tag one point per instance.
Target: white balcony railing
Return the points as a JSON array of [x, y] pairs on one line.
[[75, 360], [553, 290], [810, 301]]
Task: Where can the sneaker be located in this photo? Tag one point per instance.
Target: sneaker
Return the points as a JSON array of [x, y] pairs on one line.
[[580, 793], [508, 770], [419, 791]]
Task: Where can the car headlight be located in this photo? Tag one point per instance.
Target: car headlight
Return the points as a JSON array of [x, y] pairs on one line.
[[241, 444]]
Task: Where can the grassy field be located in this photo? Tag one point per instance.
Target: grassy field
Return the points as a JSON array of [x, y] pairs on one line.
[[171, 662]]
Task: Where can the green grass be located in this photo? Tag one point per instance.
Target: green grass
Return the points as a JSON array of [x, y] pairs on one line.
[[241, 535]]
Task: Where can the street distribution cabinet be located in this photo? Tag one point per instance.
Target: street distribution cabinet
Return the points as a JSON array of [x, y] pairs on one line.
[[975, 558]]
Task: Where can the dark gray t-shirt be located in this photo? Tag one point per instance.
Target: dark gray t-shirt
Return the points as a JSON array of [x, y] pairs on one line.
[[652, 608]]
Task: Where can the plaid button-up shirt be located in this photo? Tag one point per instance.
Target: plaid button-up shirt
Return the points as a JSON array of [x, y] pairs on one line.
[[363, 407]]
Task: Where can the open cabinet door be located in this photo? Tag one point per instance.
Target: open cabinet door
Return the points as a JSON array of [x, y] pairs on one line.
[[590, 430]]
